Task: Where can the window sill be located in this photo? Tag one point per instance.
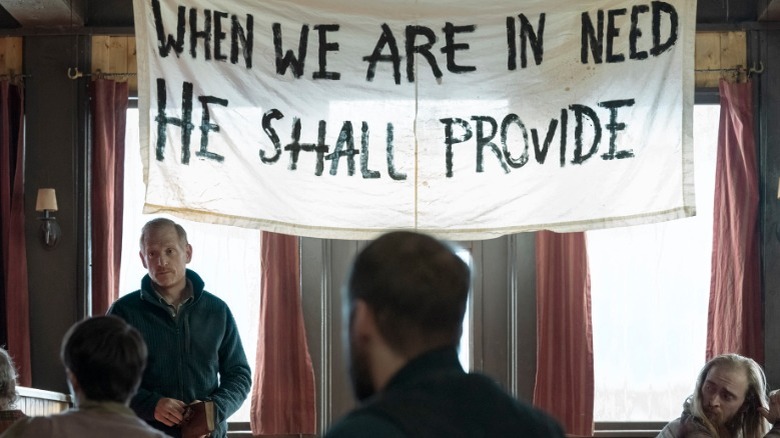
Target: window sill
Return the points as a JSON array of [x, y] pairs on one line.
[[243, 430], [628, 429]]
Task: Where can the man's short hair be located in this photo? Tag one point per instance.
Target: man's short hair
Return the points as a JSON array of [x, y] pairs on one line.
[[159, 223], [748, 423], [417, 288], [107, 356]]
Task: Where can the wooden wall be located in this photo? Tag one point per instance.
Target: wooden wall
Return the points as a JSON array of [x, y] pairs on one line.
[[10, 56], [115, 54], [110, 54], [718, 55]]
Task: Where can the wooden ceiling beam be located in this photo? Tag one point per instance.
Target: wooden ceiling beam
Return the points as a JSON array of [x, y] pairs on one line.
[[46, 13]]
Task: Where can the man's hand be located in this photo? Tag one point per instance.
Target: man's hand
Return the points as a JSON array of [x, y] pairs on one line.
[[772, 414], [169, 411]]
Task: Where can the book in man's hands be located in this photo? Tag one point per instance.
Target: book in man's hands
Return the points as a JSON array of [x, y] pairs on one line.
[[198, 420]]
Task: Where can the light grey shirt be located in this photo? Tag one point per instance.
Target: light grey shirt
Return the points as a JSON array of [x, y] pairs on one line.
[[90, 419]]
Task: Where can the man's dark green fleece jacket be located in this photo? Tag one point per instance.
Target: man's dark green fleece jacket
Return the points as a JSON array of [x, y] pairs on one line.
[[194, 355]]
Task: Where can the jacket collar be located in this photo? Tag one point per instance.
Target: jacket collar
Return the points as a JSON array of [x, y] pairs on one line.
[[148, 293]]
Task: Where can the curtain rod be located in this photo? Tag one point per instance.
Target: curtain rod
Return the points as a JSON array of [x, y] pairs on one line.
[[739, 69], [14, 77], [74, 73]]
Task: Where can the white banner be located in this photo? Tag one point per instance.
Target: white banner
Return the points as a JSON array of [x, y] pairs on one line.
[[465, 119]]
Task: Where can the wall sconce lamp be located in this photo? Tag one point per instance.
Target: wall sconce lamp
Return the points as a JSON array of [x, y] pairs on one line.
[[50, 229]]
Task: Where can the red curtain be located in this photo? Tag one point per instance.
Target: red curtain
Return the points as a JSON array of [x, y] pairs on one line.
[[14, 248], [283, 398], [109, 107], [734, 323], [564, 356]]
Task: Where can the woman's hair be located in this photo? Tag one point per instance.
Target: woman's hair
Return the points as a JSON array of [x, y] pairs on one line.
[[748, 421], [8, 395]]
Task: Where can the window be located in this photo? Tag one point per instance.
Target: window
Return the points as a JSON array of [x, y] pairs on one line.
[[464, 348], [227, 258], [650, 289]]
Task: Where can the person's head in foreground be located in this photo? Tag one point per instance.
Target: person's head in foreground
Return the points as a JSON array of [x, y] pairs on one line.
[[8, 393], [407, 294], [730, 389], [104, 359]]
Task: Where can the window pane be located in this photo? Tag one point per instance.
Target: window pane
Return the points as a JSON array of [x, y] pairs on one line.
[[227, 258], [650, 289], [464, 348]]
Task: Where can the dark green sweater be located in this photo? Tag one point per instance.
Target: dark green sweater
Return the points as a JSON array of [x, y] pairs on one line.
[[196, 355]]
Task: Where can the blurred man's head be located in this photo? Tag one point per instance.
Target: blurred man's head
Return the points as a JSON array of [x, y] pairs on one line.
[[105, 358], [415, 290], [729, 390]]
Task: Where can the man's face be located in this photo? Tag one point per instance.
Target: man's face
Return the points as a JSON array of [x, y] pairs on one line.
[[723, 393], [164, 256], [359, 366]]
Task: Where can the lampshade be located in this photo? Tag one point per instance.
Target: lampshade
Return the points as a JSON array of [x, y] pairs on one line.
[[47, 200]]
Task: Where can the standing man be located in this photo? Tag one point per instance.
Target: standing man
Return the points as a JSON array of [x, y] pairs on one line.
[[730, 400], [104, 358], [407, 295], [195, 352]]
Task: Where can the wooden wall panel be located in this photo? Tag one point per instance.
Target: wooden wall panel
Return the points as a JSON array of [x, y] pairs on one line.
[[132, 64], [10, 56], [115, 55], [720, 55]]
